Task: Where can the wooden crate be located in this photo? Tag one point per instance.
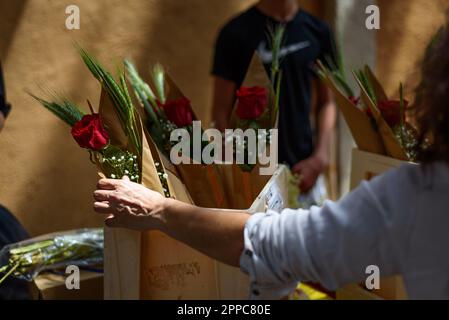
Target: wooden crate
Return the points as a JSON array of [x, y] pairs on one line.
[[365, 166], [166, 269], [51, 286]]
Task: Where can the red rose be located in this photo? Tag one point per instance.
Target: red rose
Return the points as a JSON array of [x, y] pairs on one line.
[[354, 100], [179, 112], [90, 133], [252, 102], [391, 111]]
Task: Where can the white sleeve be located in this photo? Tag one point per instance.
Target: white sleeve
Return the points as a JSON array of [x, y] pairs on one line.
[[332, 245]]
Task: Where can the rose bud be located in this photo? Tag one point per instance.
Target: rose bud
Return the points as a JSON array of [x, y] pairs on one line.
[[391, 111], [179, 112], [252, 102], [89, 133]]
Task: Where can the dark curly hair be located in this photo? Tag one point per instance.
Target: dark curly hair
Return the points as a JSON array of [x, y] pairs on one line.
[[431, 107]]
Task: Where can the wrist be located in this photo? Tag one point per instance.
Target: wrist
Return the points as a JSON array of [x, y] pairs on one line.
[[321, 159], [160, 214]]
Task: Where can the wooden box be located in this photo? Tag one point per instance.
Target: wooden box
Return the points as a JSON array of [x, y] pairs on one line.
[[50, 286], [365, 166], [167, 269]]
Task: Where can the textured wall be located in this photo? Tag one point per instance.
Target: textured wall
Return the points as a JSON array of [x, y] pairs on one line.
[[406, 28], [45, 179]]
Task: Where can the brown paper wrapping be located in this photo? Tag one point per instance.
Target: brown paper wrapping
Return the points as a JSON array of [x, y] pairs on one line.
[[365, 135], [203, 182], [392, 146], [241, 188], [168, 269], [255, 76], [205, 185]]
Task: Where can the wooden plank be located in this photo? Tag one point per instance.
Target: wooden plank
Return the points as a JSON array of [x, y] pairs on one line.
[[121, 264], [174, 271]]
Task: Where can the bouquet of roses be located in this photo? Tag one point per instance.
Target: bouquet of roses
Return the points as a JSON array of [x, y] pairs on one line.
[[378, 124], [168, 109], [254, 114], [257, 102], [112, 136], [399, 136]]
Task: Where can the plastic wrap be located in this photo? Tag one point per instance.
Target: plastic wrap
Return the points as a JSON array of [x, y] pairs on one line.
[[26, 259]]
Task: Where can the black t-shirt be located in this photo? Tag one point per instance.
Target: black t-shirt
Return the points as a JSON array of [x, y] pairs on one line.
[[306, 40]]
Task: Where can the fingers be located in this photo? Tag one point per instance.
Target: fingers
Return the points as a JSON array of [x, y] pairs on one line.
[[112, 221], [108, 184], [125, 178], [102, 207], [297, 168], [103, 195]]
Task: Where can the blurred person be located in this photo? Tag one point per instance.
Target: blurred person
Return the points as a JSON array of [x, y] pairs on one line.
[[11, 231], [4, 107], [306, 40], [397, 221]]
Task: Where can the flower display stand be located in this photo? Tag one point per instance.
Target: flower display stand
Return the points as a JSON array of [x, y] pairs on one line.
[[365, 166], [151, 265]]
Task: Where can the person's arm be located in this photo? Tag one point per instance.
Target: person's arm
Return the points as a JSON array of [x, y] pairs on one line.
[[216, 233], [332, 245], [223, 102], [311, 168], [326, 115]]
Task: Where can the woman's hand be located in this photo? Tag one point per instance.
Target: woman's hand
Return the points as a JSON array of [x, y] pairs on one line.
[[129, 205], [215, 232]]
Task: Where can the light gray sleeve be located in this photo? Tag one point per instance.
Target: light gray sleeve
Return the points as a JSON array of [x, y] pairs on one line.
[[332, 245]]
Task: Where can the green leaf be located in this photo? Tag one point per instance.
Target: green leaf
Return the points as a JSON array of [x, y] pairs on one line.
[[65, 110], [159, 82]]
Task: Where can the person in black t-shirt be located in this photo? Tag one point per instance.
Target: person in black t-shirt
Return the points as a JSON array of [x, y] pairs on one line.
[[306, 40]]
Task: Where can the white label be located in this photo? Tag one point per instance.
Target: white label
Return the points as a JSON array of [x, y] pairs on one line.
[[274, 198]]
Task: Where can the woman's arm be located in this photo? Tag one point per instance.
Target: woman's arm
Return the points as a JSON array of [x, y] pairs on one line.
[[216, 233], [332, 245]]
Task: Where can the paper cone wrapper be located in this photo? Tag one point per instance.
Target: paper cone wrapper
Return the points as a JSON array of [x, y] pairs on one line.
[[392, 146], [377, 87], [365, 135], [168, 269], [242, 188], [256, 76]]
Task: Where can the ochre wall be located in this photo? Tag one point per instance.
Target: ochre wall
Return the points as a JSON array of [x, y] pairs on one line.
[[406, 28], [45, 179]]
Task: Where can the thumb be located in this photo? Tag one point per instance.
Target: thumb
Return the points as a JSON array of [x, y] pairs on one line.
[[126, 178], [112, 221], [297, 168]]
